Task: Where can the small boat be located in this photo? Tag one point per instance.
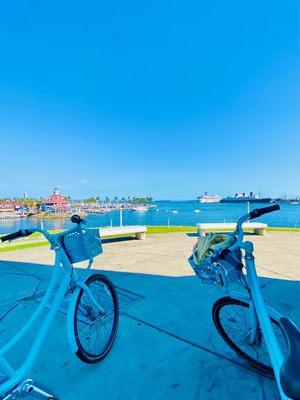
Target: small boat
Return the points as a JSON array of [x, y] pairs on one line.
[[197, 211], [174, 211], [140, 209]]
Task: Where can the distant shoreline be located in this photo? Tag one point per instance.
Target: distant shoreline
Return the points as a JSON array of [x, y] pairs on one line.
[[171, 213], [57, 215]]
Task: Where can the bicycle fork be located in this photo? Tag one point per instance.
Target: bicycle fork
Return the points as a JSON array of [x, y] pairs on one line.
[[87, 291]]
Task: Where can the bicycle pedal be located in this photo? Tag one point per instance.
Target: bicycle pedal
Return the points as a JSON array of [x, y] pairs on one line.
[[39, 393]]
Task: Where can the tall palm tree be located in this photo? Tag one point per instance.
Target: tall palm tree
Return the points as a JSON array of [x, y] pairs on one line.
[[38, 206]]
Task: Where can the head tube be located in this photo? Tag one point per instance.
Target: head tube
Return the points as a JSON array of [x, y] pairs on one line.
[[239, 233]]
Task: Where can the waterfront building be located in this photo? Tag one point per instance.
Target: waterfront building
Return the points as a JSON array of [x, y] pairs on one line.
[[10, 208], [56, 203]]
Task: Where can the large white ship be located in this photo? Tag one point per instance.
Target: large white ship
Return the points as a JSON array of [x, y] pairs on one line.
[[206, 198], [243, 198]]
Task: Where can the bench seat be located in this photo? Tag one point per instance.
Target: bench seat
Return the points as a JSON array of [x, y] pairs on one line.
[[258, 227], [139, 231]]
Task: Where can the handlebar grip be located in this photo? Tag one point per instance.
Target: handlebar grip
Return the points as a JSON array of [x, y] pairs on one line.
[[16, 235], [261, 211]]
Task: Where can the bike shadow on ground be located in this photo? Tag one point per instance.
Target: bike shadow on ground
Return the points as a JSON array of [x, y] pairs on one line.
[[176, 307]]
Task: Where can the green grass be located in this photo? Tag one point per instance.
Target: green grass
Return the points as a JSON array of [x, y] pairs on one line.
[[27, 243], [166, 229], [282, 229], [23, 246], [170, 229]]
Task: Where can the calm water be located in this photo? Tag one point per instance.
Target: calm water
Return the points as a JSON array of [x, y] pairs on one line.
[[185, 214]]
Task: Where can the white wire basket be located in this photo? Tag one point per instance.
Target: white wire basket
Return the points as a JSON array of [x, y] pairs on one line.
[[221, 273], [82, 244]]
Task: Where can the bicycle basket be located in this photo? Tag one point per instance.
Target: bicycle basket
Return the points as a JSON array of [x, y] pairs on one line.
[[219, 273], [82, 244]]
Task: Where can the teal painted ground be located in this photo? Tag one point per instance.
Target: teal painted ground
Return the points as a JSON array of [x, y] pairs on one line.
[[172, 212]]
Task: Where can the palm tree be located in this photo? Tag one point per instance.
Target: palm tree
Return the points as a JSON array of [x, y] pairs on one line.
[[38, 206]]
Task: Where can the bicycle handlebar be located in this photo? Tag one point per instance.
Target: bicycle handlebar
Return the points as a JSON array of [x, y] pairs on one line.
[[261, 211], [16, 235], [239, 233]]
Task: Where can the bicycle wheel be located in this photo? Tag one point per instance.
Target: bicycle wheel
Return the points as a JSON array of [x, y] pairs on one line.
[[232, 320], [95, 329]]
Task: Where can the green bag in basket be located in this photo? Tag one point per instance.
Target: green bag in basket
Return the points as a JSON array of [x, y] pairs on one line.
[[207, 245]]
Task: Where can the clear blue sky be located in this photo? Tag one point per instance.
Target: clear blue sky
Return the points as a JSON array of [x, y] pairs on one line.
[[161, 98]]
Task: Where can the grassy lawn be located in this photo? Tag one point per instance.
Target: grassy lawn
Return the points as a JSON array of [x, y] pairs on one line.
[[283, 229], [169, 229], [23, 246], [166, 229], [36, 240]]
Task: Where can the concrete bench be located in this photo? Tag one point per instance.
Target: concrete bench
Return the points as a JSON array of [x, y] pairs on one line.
[[139, 231], [257, 227]]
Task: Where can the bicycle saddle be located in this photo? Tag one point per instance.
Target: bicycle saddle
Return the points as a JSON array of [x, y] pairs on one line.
[[290, 369]]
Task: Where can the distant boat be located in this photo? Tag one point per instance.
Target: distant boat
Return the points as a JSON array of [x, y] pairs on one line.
[[140, 209], [197, 211], [206, 198], [174, 211], [242, 198]]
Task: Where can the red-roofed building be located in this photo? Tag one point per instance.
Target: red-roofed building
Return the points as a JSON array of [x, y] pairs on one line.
[[56, 203], [9, 208]]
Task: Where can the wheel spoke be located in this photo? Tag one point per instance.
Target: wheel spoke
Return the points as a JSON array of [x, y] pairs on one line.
[[95, 332], [232, 318]]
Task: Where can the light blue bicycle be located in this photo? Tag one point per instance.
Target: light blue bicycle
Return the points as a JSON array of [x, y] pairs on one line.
[[93, 312], [256, 332]]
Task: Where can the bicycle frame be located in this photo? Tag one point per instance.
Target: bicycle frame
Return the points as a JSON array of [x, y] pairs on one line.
[[70, 281], [260, 313]]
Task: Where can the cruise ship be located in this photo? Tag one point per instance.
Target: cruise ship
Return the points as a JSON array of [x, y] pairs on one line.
[[206, 198], [243, 198]]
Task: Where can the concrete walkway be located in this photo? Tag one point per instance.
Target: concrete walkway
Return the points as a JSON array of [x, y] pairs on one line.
[[167, 346]]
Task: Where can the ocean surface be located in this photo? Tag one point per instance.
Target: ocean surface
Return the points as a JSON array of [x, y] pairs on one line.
[[169, 213]]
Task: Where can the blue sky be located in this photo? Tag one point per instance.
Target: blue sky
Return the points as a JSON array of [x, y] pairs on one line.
[[160, 98]]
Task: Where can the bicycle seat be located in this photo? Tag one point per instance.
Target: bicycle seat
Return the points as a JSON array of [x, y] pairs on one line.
[[290, 369]]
